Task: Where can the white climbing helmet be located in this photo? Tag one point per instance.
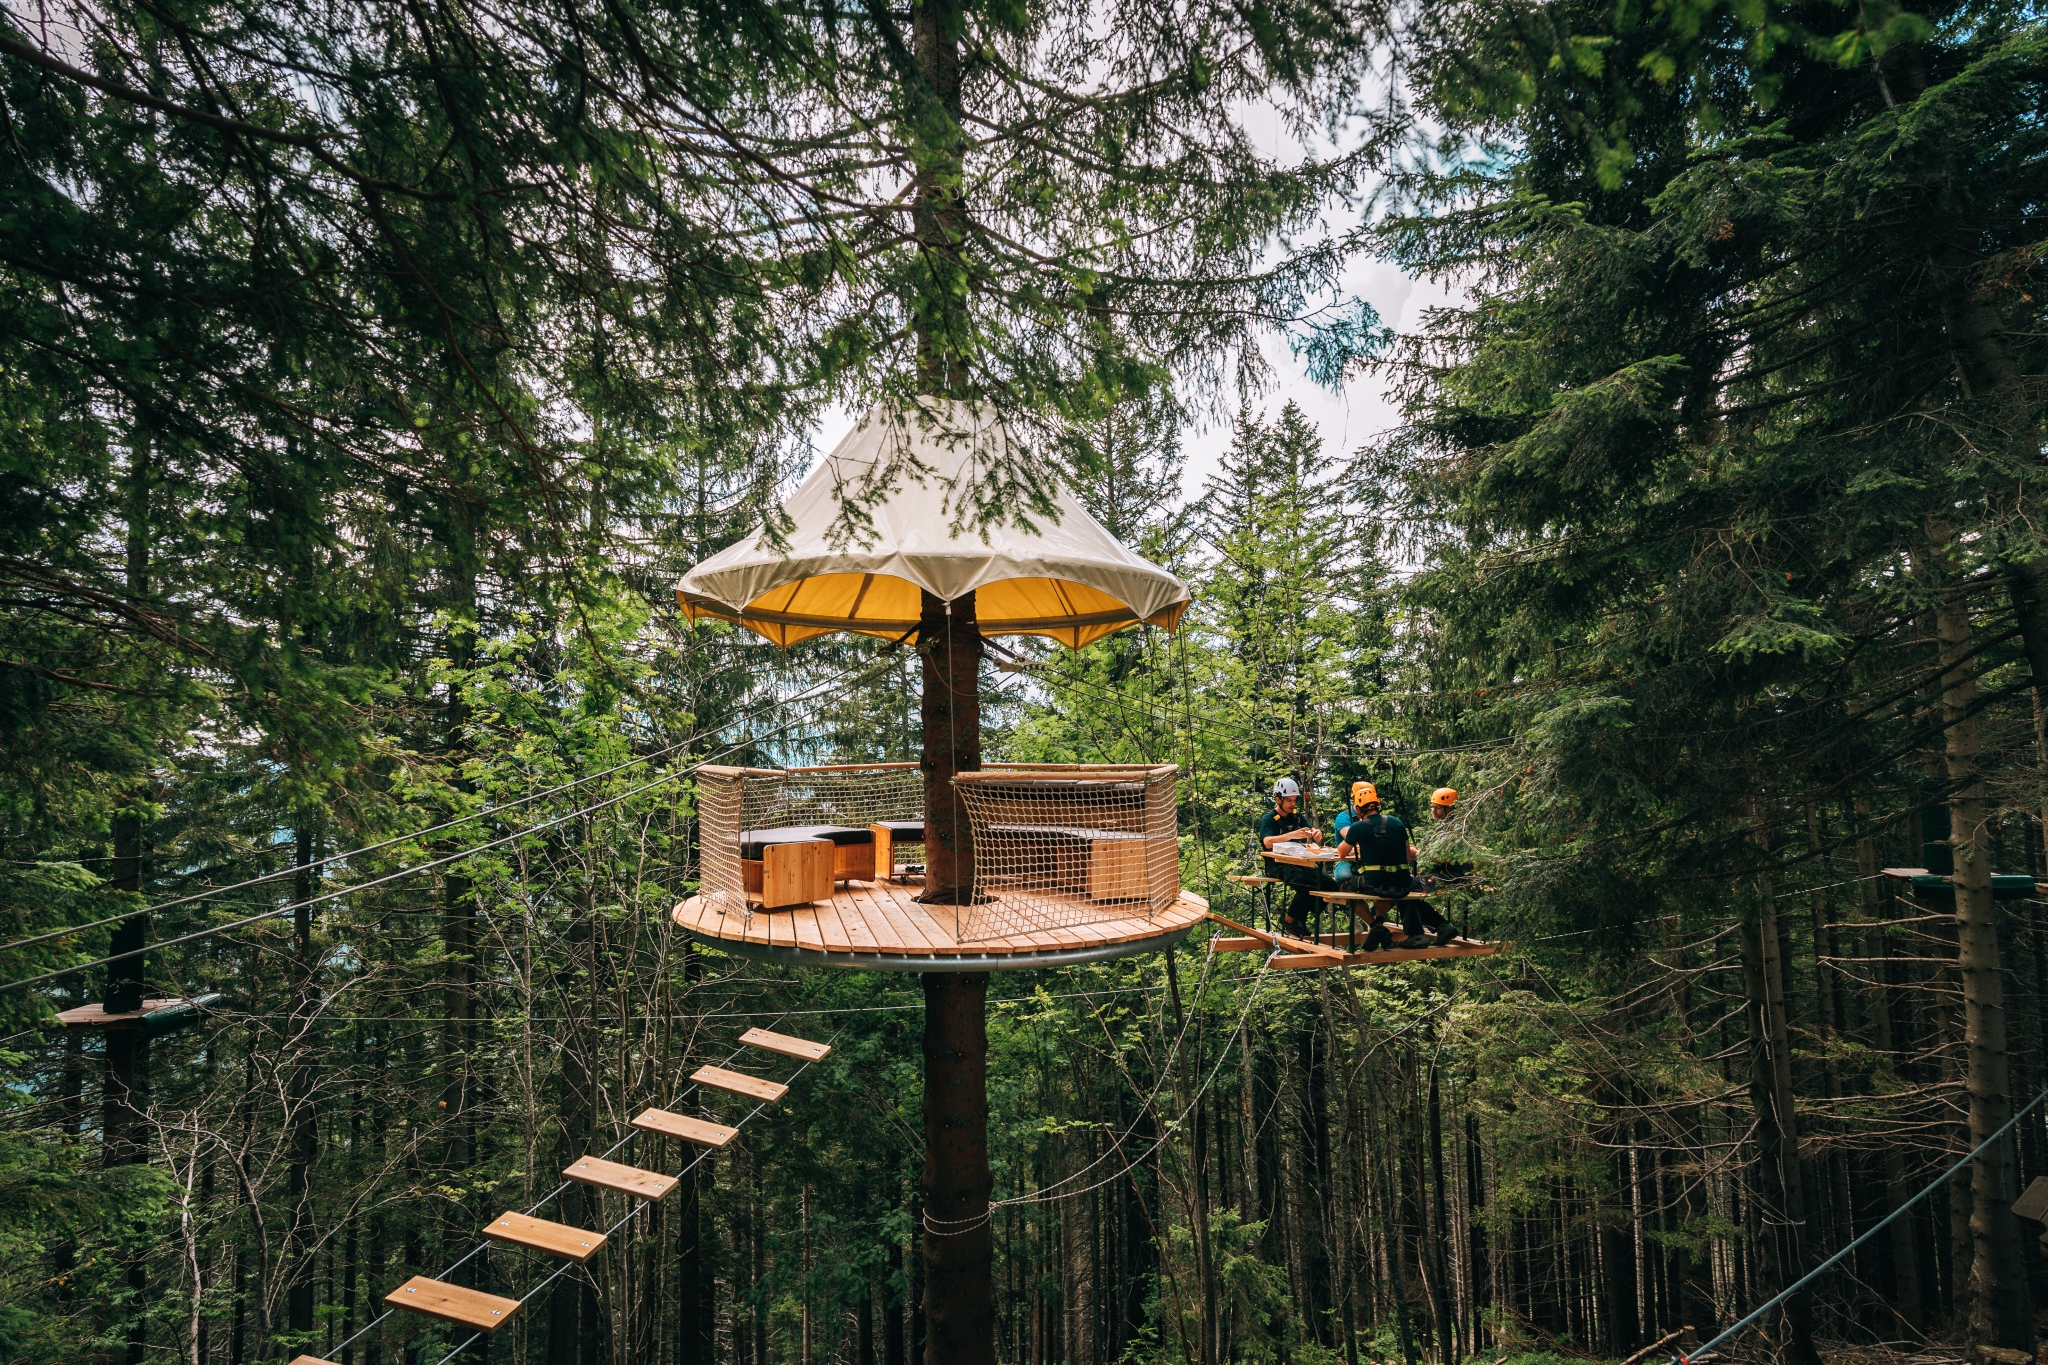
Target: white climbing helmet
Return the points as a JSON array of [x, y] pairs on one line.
[[1286, 786]]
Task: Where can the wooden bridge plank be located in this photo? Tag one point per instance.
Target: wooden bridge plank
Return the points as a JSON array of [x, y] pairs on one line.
[[556, 1239], [613, 1175], [453, 1303], [803, 1049], [739, 1083], [699, 1131]]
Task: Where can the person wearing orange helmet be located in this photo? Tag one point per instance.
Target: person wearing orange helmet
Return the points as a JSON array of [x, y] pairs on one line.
[[1376, 845], [1443, 804]]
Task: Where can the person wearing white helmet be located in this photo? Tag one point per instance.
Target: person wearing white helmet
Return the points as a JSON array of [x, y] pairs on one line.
[[1286, 824]]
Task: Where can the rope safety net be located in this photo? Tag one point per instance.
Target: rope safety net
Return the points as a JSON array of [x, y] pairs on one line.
[[741, 809], [1055, 846], [1061, 846]]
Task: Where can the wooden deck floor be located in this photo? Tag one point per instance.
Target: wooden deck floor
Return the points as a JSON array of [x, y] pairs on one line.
[[868, 918]]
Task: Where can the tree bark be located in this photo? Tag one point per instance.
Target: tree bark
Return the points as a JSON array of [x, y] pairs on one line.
[[1770, 1089], [949, 641], [959, 1266], [939, 214], [2001, 1306], [304, 1141]]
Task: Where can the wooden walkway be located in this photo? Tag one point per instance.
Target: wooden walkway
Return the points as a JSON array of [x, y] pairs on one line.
[[865, 919]]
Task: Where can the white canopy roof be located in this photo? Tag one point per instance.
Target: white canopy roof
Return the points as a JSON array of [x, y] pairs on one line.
[[1067, 579]]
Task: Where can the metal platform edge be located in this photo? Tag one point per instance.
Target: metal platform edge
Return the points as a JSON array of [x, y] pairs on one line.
[[941, 962]]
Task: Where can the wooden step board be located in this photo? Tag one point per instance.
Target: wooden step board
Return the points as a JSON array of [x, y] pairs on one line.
[[803, 1049], [739, 1083], [556, 1239], [453, 1303], [612, 1175], [1387, 956], [699, 1131]]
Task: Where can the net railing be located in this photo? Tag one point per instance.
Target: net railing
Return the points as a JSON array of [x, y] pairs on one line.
[[1055, 846], [739, 808], [1060, 846]]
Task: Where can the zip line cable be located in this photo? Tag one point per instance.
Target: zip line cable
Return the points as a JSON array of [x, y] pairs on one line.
[[402, 873], [296, 868], [1687, 1358]]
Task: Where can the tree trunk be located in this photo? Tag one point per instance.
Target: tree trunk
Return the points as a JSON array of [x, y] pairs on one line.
[[126, 1098], [2001, 1308], [939, 216], [1770, 1089], [949, 640], [959, 1264], [304, 1141]]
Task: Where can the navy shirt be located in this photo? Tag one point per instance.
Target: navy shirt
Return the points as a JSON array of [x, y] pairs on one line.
[[1274, 823], [1381, 841]]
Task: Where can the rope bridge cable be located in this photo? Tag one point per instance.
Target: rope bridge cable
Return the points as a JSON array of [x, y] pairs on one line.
[[502, 806], [948, 1227], [417, 868], [1810, 1276]]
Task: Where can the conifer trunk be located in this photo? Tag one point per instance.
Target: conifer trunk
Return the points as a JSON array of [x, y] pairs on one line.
[[2001, 1308], [960, 1303], [304, 1139], [126, 1098], [949, 640], [1770, 1089]]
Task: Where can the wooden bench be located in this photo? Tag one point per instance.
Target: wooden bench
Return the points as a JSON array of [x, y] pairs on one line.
[[888, 834], [777, 877], [1103, 864]]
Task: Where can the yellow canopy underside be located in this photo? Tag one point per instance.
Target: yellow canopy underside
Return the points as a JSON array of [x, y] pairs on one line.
[[885, 605]]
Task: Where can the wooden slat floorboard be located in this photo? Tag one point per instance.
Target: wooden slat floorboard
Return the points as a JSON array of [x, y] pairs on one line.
[[883, 917], [556, 1239]]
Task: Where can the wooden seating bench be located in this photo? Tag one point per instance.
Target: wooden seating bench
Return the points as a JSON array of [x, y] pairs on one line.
[[888, 834], [1106, 864], [785, 866]]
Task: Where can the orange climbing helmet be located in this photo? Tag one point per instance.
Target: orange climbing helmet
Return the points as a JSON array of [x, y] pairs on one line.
[[1444, 796], [1364, 794]]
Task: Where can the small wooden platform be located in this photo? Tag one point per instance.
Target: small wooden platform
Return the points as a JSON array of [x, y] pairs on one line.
[[803, 1049], [1390, 956], [739, 1083], [95, 1015], [699, 1131], [453, 1303], [881, 925], [613, 1175], [556, 1239]]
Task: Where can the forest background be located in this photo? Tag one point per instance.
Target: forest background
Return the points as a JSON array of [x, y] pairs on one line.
[[369, 373]]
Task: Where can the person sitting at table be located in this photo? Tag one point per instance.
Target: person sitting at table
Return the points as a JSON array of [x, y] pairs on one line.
[[1362, 793], [1286, 824], [1377, 847]]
